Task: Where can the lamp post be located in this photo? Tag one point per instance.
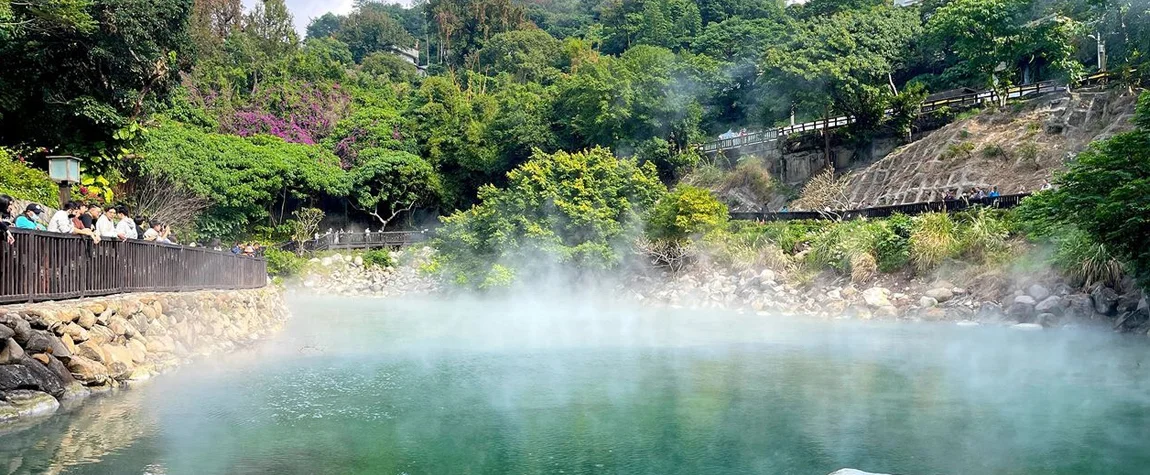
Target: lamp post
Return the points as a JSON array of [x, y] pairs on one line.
[[65, 170]]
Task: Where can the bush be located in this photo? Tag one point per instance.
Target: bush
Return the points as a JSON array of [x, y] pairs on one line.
[[283, 263], [377, 258], [685, 212], [984, 233], [933, 238], [20, 181], [562, 208]]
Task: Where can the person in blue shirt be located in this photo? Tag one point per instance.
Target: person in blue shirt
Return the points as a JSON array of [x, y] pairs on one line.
[[30, 218], [993, 192]]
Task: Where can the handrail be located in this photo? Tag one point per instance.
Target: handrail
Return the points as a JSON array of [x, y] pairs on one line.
[[41, 265], [358, 240], [773, 134], [910, 209]]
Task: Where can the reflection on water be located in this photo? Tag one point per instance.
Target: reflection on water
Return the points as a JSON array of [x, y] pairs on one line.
[[443, 388]]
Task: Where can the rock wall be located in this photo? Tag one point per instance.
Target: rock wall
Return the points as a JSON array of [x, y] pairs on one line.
[[346, 274], [57, 352]]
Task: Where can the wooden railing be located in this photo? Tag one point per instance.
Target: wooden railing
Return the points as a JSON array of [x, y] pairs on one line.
[[772, 135], [358, 240], [50, 266], [950, 206]]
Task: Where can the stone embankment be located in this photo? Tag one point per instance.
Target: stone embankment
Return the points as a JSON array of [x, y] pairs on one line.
[[1024, 305], [348, 275], [62, 352]]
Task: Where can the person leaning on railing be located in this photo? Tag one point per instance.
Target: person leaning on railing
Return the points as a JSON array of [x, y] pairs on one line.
[[30, 219], [64, 221]]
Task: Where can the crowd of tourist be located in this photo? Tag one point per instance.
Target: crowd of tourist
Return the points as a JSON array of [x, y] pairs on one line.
[[976, 193], [97, 222]]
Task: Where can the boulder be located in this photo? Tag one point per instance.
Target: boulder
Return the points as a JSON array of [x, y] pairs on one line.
[[87, 319], [6, 333], [989, 311], [90, 350], [1038, 291], [118, 325], [39, 341], [1079, 305], [106, 316], [1026, 299], [12, 353], [138, 350], [59, 370], [42, 318], [87, 371], [118, 361], [927, 302], [20, 327], [1052, 304], [41, 357], [66, 340], [933, 314], [1105, 300], [886, 311], [77, 332], [1128, 302], [29, 374], [1021, 311], [876, 297], [1047, 320], [940, 294], [21, 403]]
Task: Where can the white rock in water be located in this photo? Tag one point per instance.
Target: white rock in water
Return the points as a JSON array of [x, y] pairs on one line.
[[967, 323], [851, 471], [1026, 326]]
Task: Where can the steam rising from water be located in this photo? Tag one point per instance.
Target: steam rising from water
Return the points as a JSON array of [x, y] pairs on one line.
[[550, 384]]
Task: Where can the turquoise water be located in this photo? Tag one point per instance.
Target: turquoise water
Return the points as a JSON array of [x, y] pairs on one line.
[[439, 387]]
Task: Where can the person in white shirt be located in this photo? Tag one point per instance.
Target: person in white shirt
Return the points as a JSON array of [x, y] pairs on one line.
[[158, 232], [126, 226], [61, 221], [106, 225]]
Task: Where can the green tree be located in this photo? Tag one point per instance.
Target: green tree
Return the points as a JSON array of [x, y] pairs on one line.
[[369, 29], [389, 66], [528, 55], [462, 27], [324, 25], [388, 183], [76, 72], [571, 208]]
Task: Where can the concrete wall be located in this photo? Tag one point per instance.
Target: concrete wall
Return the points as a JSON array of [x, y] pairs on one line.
[[55, 352]]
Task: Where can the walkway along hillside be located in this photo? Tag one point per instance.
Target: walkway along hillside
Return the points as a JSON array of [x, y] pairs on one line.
[[771, 135], [49, 266], [950, 206]]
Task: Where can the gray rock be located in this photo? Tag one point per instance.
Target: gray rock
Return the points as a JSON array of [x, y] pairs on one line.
[[1052, 304], [1021, 312], [1079, 305], [989, 311], [940, 294], [876, 297], [6, 333], [1038, 291], [1026, 299], [1047, 320], [927, 302], [1128, 302], [30, 374], [11, 353], [17, 323], [1105, 300]]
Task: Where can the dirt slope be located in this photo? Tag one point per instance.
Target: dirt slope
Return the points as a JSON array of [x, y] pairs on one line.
[[1015, 149]]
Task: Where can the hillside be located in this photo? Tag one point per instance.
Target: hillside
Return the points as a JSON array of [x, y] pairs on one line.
[[1015, 149]]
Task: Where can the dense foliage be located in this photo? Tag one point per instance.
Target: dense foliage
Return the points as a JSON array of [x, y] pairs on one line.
[[687, 211], [1105, 194], [232, 104], [578, 208]]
